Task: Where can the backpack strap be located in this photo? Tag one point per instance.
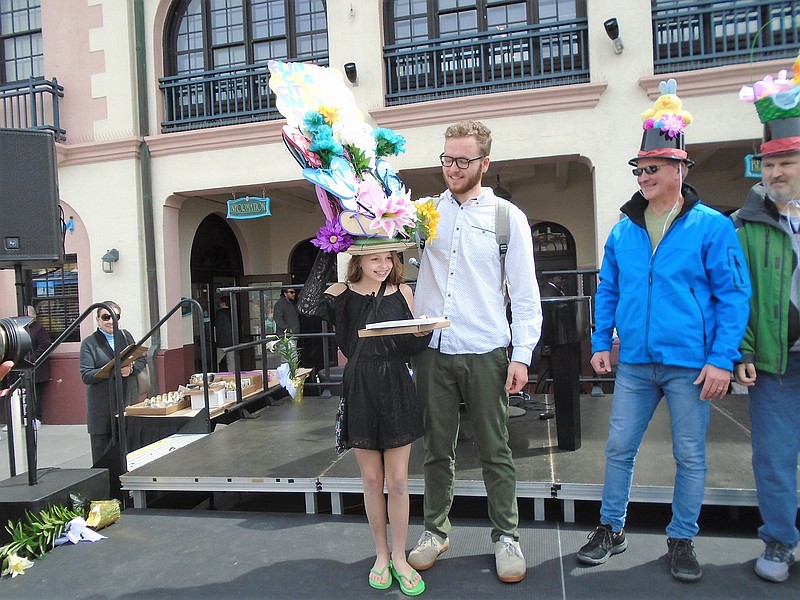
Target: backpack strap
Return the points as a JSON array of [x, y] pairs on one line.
[[502, 233]]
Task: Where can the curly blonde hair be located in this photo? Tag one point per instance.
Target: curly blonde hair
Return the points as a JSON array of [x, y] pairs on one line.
[[476, 129]]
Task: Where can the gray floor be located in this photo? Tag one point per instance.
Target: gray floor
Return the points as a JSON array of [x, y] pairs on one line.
[[200, 554]]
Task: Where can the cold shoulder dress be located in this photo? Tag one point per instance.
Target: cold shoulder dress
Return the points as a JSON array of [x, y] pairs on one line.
[[381, 401]]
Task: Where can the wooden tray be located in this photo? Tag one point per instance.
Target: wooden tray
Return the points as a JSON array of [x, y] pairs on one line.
[[141, 409]]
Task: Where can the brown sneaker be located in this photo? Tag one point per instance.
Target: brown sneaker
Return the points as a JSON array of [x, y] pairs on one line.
[[428, 548], [508, 559]]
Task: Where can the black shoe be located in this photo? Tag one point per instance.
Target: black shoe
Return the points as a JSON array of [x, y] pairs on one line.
[[683, 561], [603, 542]]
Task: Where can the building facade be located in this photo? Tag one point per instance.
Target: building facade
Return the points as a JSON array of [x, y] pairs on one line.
[[162, 113]]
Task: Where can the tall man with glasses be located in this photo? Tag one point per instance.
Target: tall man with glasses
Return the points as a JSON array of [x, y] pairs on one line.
[[769, 229], [674, 284], [460, 277]]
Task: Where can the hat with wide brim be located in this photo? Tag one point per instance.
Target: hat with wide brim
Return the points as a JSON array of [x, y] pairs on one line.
[[656, 143], [363, 246]]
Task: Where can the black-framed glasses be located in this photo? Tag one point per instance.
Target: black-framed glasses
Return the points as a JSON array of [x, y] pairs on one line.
[[107, 317], [649, 169], [461, 162]]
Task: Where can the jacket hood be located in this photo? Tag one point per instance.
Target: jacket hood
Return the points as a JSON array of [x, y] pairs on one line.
[[758, 208], [635, 207]]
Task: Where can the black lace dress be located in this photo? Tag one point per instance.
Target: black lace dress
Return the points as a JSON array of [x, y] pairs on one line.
[[380, 399]]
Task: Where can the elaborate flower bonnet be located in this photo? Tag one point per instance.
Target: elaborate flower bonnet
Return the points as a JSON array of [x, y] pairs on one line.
[[663, 125], [777, 100], [367, 209]]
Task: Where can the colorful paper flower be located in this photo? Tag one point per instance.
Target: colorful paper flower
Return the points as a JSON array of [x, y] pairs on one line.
[[393, 213], [389, 143], [427, 218], [332, 238], [671, 125]]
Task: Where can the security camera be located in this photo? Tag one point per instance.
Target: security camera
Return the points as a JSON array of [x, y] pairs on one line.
[[612, 30]]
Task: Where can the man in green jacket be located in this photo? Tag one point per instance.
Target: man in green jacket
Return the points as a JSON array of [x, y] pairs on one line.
[[769, 229]]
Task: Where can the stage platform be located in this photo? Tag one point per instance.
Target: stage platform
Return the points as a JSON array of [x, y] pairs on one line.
[[289, 448], [201, 554]]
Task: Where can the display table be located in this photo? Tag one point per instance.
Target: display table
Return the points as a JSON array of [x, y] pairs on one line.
[[143, 430]]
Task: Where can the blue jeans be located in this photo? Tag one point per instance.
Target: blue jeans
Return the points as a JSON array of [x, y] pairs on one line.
[[637, 392], [775, 431]]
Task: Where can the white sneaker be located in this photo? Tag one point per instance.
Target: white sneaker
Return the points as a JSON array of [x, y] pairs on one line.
[[36, 424], [428, 548], [774, 564], [509, 561]]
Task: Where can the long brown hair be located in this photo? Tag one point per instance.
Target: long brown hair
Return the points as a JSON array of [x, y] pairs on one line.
[[355, 273]]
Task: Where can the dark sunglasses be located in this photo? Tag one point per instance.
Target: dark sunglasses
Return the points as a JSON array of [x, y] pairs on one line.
[[649, 169], [290, 292], [107, 317]]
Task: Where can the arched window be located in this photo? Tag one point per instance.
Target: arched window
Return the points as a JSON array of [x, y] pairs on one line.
[[216, 54], [207, 35], [21, 40]]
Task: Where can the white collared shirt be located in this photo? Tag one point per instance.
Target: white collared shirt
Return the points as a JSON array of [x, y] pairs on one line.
[[459, 278]]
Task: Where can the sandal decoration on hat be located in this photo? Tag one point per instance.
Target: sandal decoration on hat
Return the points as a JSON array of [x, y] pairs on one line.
[[777, 101], [663, 125], [366, 206]]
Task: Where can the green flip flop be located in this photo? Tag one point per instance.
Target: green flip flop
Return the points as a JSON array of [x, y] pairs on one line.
[[405, 582], [377, 584]]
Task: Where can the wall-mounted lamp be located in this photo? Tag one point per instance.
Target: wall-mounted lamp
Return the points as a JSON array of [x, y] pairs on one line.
[[612, 30], [351, 72], [109, 258]]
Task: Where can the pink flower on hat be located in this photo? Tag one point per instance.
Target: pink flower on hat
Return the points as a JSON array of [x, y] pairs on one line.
[[393, 213]]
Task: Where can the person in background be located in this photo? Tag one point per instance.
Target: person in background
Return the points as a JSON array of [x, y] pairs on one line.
[[40, 341], [674, 284], [285, 313], [769, 229], [460, 277], [554, 287], [97, 350], [224, 332]]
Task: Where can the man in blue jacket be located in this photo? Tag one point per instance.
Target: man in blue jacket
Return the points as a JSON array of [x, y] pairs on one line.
[[674, 284]]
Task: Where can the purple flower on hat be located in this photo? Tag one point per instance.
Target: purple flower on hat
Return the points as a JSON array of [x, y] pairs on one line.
[[332, 238], [672, 125], [649, 123]]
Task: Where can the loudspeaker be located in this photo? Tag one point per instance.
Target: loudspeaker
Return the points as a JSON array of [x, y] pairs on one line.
[[31, 233]]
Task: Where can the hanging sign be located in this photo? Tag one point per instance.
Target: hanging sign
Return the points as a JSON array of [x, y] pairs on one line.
[[248, 208], [752, 167]]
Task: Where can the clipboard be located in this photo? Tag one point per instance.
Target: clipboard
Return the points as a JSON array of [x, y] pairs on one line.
[[404, 326], [131, 353]]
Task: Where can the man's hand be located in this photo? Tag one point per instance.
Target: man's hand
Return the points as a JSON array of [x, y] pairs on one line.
[[745, 374], [601, 362], [517, 377], [715, 382]]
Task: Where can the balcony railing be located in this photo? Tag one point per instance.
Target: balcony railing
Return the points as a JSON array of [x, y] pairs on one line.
[[692, 34], [498, 61], [216, 98], [32, 104]]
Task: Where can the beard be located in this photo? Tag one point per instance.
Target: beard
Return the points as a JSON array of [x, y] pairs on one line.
[[461, 186]]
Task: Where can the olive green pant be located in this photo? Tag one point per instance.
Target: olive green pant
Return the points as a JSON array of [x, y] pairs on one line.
[[443, 381]]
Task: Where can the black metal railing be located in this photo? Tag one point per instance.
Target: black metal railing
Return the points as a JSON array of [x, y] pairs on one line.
[[32, 104], [692, 34], [515, 58]]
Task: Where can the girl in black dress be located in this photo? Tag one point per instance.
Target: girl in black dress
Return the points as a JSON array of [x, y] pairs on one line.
[[382, 417]]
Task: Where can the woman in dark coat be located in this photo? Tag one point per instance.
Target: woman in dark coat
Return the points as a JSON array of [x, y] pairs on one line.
[[96, 351]]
